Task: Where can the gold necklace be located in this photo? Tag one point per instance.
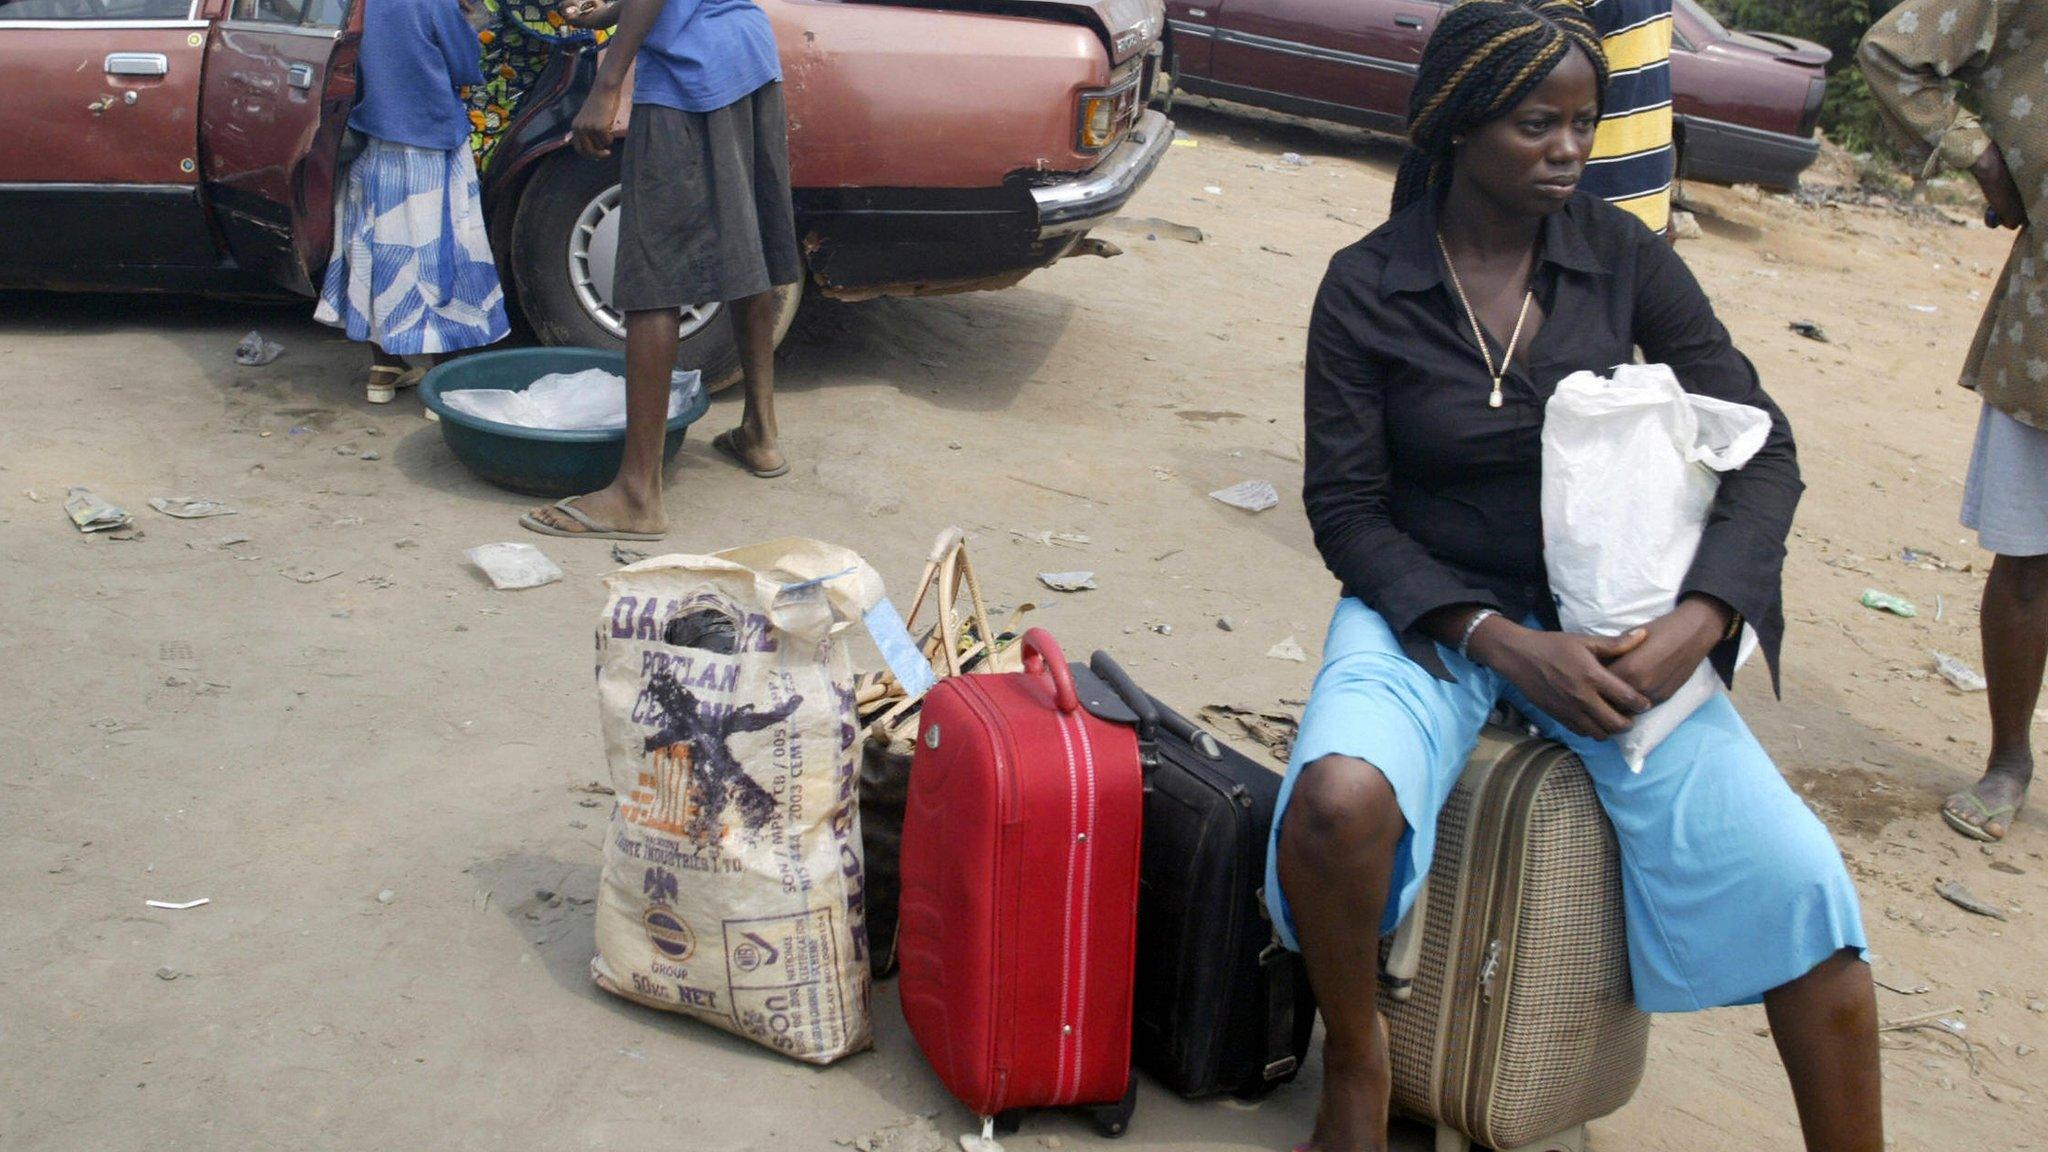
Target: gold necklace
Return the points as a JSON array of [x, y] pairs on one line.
[[1507, 354]]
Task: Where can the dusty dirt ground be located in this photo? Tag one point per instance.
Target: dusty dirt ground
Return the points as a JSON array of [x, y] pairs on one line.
[[183, 722]]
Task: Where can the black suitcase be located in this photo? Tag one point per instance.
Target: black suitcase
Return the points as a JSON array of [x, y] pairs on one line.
[[1220, 1006]]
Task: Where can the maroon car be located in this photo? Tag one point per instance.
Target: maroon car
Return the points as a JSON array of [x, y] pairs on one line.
[[935, 146], [1745, 104]]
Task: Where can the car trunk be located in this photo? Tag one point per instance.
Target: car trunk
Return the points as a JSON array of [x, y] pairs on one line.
[[1790, 49], [1127, 27]]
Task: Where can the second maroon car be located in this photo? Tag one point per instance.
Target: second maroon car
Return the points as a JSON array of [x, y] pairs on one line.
[[1745, 105]]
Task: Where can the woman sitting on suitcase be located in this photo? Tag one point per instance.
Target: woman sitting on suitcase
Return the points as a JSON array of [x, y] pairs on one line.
[[1422, 484]]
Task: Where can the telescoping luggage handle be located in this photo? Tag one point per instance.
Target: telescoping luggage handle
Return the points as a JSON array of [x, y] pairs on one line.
[[1042, 654], [1153, 717]]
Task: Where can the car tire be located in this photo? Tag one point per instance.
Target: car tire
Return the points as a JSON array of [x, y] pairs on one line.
[[564, 237]]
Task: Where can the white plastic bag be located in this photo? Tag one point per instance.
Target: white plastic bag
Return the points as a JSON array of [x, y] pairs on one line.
[[1630, 468], [590, 400], [512, 566], [733, 886]]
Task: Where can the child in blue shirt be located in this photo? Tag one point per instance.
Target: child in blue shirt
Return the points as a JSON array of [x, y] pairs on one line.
[[412, 271]]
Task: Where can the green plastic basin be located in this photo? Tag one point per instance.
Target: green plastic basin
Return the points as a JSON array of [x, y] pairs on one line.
[[540, 461]]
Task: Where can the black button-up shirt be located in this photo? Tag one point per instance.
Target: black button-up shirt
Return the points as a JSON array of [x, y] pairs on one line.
[[1423, 497]]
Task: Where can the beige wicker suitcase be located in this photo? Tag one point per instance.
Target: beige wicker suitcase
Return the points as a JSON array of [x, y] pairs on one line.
[[1506, 989]]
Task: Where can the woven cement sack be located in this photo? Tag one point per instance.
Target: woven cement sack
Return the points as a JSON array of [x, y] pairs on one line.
[[732, 887]]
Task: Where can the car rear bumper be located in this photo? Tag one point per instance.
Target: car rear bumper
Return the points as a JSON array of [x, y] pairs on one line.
[[861, 242], [1076, 205], [1718, 152]]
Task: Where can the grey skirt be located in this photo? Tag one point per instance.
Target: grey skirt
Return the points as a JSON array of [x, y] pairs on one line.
[[2005, 498], [704, 205]]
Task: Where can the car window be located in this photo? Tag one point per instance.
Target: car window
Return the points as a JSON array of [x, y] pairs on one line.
[[326, 13], [271, 11], [1713, 28], [94, 9]]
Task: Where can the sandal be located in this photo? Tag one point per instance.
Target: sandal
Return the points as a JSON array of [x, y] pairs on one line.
[[1986, 814], [727, 443], [386, 382], [591, 529]]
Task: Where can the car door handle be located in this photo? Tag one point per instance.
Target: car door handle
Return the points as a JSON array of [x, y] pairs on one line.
[[138, 64], [1408, 21], [299, 76]]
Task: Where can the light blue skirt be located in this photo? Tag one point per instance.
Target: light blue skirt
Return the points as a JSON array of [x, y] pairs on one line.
[[2005, 497], [1731, 885], [412, 269]]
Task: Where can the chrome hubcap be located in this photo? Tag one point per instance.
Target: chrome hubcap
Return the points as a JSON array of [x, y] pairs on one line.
[[593, 260]]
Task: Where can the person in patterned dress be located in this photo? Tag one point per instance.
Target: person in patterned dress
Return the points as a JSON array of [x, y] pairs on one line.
[[1920, 58], [412, 273]]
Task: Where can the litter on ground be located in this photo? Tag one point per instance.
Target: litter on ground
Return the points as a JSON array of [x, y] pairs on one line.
[[1067, 581], [93, 514], [514, 566], [189, 507], [1274, 731], [1288, 649], [254, 351], [1953, 892], [1887, 602], [1251, 495], [1958, 673], [1152, 227]]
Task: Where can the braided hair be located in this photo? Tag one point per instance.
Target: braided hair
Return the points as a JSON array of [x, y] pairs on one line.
[[1484, 58]]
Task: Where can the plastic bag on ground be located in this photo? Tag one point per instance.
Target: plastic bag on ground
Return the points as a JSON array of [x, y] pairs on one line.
[[733, 885], [513, 566], [1630, 468], [590, 400]]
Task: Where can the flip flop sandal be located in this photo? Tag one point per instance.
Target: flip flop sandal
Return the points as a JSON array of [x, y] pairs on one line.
[[2003, 814], [729, 447], [592, 530], [386, 382]]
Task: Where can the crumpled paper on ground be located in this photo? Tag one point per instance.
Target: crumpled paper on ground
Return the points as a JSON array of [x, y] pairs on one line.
[[93, 514]]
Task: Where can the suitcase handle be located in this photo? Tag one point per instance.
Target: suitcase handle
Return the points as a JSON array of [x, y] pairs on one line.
[[1153, 717], [1042, 654], [1135, 698]]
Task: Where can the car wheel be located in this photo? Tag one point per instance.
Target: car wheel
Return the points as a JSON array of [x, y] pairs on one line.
[[564, 244]]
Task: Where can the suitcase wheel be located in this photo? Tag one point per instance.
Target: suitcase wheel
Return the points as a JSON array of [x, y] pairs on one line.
[[1009, 1123], [1113, 1120]]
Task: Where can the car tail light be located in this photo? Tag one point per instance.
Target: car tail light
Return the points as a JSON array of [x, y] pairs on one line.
[[1105, 114], [1809, 117]]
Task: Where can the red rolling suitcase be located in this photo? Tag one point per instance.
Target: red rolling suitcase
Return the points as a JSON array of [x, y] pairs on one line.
[[1020, 893]]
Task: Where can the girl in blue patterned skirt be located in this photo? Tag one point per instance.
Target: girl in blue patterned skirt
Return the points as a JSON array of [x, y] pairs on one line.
[[412, 271]]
